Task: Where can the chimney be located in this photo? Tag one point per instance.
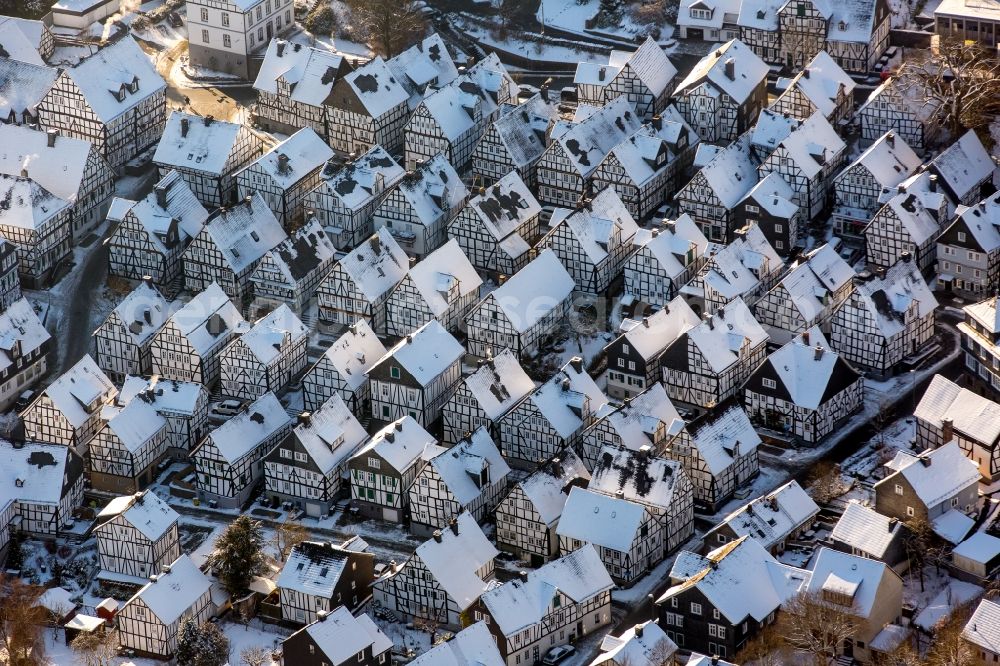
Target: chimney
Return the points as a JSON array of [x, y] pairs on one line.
[[577, 364], [905, 257], [523, 575], [321, 615], [161, 196], [51, 137], [805, 73], [638, 630], [390, 437], [282, 161], [148, 280], [208, 120], [657, 122], [24, 172], [437, 536], [600, 73], [715, 660], [892, 523], [890, 139], [925, 461], [281, 47], [933, 182], [731, 69], [947, 430], [399, 426], [185, 125], [805, 338], [453, 524], [305, 418], [556, 467], [709, 320], [818, 352], [645, 322], [545, 89]]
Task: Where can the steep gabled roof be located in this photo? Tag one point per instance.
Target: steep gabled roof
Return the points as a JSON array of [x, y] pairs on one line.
[[442, 270], [294, 158], [376, 265], [588, 142], [245, 232], [809, 370], [193, 142], [106, 78], [426, 352], [354, 353], [747, 68], [973, 415], [499, 383], [460, 466]]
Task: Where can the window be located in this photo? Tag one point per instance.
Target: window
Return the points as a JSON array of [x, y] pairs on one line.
[[715, 613], [778, 228], [695, 608], [673, 602], [769, 383], [394, 372], [721, 538], [204, 15], [954, 502], [752, 210], [961, 236], [225, 18], [624, 349], [910, 512], [899, 489], [204, 36], [227, 41], [374, 463]]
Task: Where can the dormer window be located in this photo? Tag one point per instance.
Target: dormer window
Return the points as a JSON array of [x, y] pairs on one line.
[[133, 87], [699, 13]]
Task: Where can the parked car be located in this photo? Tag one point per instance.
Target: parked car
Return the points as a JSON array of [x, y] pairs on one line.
[[227, 408], [24, 400], [557, 654]]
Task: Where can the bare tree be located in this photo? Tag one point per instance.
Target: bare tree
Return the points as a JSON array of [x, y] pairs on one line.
[[391, 25], [256, 655], [288, 535], [765, 649], [923, 547], [903, 654], [96, 648], [948, 648], [21, 620], [957, 81], [826, 482], [818, 626]]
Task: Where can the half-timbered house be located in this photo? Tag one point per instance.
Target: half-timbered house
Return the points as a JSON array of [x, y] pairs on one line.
[[469, 477], [443, 578], [483, 397], [746, 268], [949, 412], [885, 319], [424, 67], [643, 76], [576, 150], [981, 344], [38, 34], [562, 601], [635, 356], [339, 639], [593, 242], [265, 358], [523, 311], [347, 195], [896, 106], [773, 520], [367, 107], [497, 227], [883, 166], [968, 251], [965, 170], [183, 404], [805, 390], [419, 209], [229, 248], [857, 33], [125, 452], [122, 343], [359, 285], [722, 96], [649, 421], [230, 461], [666, 257], [319, 577], [284, 175], [515, 141], [383, 470], [309, 468], [821, 86], [289, 273], [114, 98], [815, 285], [207, 153], [24, 358], [527, 517], [68, 411], [10, 284], [37, 223], [151, 237], [710, 362], [343, 370], [30, 81], [443, 286], [149, 623], [416, 376], [136, 537], [552, 417], [903, 224], [187, 348], [770, 206]]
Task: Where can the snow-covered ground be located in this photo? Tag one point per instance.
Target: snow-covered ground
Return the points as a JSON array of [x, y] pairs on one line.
[[573, 15]]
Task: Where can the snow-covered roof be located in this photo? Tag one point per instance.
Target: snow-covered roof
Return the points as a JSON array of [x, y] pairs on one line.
[[523, 129], [460, 466], [505, 206], [983, 222], [401, 443], [810, 371], [134, 425], [245, 232], [143, 312], [58, 601], [637, 421], [309, 72], [983, 628], [980, 547], [354, 353], [772, 517], [299, 256], [144, 510], [639, 155], [377, 88], [473, 646], [166, 395], [901, 96], [936, 474], [80, 391], [532, 292], [426, 353], [588, 142], [340, 636], [21, 39], [721, 337], [376, 265], [454, 106], [194, 142], [59, 168], [314, 568], [424, 65], [848, 20], [775, 195], [22, 86], [821, 81], [359, 182], [561, 399], [206, 318], [671, 243], [240, 435], [33, 30], [769, 130], [595, 225], [20, 325], [650, 64], [733, 57], [331, 435], [986, 313], [35, 473], [849, 575], [274, 334], [294, 159], [548, 487], [866, 530], [172, 593], [757, 14], [954, 594], [971, 414], [455, 560], [116, 79], [433, 188], [443, 270], [919, 222], [30, 206], [731, 173], [719, 11], [601, 520], [499, 383], [645, 644], [814, 278], [963, 165], [741, 579], [889, 298], [651, 335], [521, 603], [723, 435], [697, 659], [889, 160], [813, 144], [637, 476], [181, 219]]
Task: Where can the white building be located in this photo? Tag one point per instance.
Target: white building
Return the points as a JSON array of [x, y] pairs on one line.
[[223, 36], [644, 76]]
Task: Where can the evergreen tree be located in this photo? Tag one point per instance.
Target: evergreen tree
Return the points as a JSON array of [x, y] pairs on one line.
[[239, 555], [201, 645]]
